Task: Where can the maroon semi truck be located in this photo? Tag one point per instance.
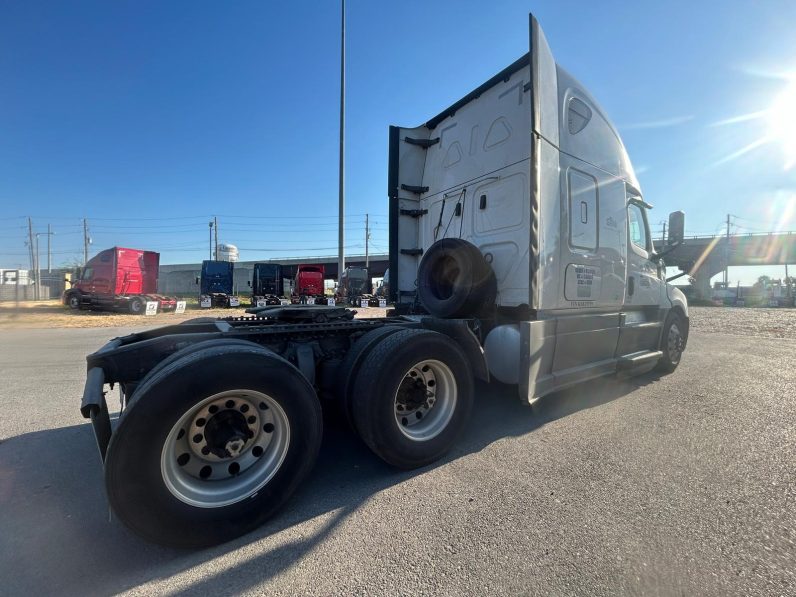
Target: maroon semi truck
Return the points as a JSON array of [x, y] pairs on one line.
[[309, 282], [119, 278]]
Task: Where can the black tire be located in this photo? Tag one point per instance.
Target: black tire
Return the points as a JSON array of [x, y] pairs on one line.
[[130, 390], [349, 368], [188, 350], [454, 280], [73, 300], [673, 340], [137, 306], [385, 370], [134, 482]]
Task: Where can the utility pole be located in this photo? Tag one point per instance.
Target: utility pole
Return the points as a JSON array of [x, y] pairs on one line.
[[215, 225], [663, 238], [367, 238], [37, 273], [341, 189], [210, 241], [727, 255], [49, 252], [86, 240], [30, 245]]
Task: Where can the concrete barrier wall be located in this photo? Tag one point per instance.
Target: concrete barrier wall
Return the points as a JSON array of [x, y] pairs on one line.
[[14, 292], [181, 280]]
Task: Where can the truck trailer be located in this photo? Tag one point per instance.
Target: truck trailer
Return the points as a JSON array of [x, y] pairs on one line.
[[520, 251], [118, 279], [216, 285]]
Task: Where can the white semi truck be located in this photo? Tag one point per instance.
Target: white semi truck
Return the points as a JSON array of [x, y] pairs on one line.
[[519, 250]]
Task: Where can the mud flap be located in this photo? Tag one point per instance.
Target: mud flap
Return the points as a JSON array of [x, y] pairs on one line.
[[94, 407]]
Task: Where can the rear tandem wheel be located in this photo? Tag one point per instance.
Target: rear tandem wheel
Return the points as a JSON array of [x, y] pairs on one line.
[[200, 457], [411, 412]]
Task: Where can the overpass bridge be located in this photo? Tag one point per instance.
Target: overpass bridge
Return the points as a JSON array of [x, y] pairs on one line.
[[705, 256]]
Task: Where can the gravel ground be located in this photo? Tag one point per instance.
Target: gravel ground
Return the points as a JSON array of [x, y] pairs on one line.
[[740, 321], [757, 322], [52, 314]]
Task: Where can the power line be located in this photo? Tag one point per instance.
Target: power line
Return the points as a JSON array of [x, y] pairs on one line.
[[233, 227], [200, 217]]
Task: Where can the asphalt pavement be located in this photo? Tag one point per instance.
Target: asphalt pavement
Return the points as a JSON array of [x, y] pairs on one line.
[[675, 485]]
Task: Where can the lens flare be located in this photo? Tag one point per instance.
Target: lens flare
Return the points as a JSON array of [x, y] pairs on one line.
[[780, 126], [781, 119]]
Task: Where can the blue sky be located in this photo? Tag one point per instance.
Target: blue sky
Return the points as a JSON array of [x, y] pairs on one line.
[[148, 118]]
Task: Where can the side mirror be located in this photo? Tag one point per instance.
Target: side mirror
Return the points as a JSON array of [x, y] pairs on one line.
[[676, 228]]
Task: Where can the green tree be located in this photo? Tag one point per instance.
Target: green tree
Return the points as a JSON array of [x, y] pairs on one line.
[[763, 282]]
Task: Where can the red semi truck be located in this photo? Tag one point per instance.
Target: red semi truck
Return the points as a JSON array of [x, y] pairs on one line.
[[309, 282], [119, 278]]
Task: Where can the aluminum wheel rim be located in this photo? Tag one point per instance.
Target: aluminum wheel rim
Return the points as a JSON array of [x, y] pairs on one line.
[[426, 420], [202, 478], [674, 343]]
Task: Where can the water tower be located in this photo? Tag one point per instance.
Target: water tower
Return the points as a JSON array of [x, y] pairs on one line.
[[227, 252]]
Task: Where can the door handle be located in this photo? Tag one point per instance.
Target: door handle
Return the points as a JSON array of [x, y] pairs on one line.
[[631, 285]]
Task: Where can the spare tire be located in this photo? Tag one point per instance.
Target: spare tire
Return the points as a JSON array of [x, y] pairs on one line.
[[454, 280]]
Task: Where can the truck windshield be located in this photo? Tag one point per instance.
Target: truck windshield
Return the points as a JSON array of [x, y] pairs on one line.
[[216, 269]]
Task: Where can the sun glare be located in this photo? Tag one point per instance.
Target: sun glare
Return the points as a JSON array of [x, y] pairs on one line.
[[780, 125], [781, 118]]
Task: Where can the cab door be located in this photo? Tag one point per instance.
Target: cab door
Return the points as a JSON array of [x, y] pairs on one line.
[[643, 282], [641, 324], [104, 269]]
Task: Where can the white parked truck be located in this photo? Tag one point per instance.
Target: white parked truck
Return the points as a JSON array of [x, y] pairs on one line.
[[519, 250]]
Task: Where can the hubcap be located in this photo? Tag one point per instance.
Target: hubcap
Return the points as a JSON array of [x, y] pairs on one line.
[[425, 400], [675, 343], [225, 448]]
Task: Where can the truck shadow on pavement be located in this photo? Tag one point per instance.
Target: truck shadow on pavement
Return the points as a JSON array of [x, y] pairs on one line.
[[58, 536]]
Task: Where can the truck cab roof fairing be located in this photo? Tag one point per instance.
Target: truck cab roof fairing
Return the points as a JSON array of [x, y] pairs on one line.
[[596, 140], [503, 75]]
